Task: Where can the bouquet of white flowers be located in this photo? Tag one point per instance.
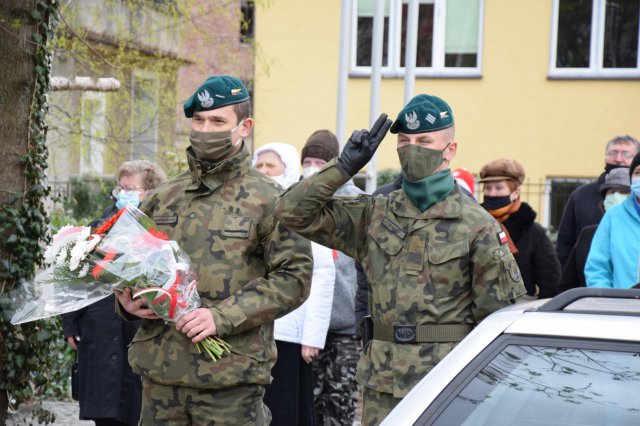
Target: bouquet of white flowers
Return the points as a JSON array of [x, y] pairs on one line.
[[86, 265]]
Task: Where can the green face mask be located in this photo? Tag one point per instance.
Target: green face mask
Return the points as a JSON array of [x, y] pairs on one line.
[[418, 162], [212, 146]]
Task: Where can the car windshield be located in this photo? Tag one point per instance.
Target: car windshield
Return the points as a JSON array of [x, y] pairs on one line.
[[538, 385]]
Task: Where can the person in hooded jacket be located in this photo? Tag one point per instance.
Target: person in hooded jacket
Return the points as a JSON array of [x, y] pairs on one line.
[[109, 392], [614, 257], [527, 240], [301, 334]]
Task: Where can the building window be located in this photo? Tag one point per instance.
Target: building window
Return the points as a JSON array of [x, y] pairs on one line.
[[595, 39], [246, 25], [557, 194], [93, 120], [144, 117], [449, 38]]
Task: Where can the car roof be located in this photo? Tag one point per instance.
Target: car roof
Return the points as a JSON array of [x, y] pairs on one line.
[[588, 313]]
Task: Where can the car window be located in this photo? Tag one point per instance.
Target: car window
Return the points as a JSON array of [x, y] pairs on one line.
[[528, 384]]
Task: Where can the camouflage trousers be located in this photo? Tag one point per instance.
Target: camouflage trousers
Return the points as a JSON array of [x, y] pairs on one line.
[[335, 389], [180, 405], [376, 406]]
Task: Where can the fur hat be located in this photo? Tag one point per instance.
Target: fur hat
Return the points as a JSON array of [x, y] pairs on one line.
[[502, 169], [321, 144]]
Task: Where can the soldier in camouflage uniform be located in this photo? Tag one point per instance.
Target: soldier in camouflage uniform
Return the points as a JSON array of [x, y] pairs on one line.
[[436, 261], [251, 270], [335, 388]]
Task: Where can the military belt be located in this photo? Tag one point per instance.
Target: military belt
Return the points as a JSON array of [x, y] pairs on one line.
[[429, 333]]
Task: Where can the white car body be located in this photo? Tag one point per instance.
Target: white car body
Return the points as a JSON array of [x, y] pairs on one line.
[[591, 314]]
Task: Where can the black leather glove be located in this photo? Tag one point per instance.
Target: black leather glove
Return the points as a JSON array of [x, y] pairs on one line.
[[362, 145]]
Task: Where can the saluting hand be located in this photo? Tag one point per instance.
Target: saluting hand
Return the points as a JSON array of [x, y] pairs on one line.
[[361, 146], [197, 324]]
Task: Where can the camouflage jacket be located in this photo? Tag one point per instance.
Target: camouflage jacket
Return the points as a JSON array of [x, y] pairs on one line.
[[444, 266], [251, 270]]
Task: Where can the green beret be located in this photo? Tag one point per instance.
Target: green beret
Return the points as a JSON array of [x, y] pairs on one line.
[[216, 92], [423, 114]]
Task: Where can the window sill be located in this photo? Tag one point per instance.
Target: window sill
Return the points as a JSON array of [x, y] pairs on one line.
[[579, 74], [472, 73]]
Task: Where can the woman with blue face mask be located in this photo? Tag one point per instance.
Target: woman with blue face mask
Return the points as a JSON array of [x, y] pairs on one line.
[[613, 259], [614, 191], [109, 393]]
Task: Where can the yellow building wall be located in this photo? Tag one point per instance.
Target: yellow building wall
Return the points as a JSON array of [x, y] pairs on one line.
[[555, 128]]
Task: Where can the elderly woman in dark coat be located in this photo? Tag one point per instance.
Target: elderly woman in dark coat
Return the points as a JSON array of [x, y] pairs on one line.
[[109, 392], [527, 240]]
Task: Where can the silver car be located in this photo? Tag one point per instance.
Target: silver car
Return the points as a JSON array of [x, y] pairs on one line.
[[570, 360]]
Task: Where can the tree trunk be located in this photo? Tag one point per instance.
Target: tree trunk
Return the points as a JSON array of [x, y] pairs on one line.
[[17, 51]]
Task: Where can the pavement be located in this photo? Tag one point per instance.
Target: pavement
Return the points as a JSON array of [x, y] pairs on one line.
[[66, 414]]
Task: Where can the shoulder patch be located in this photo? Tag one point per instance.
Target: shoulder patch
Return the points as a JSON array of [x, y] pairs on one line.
[[514, 271], [502, 237]]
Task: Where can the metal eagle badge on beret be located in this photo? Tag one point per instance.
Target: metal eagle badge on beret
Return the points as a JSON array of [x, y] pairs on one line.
[[205, 98], [216, 92], [423, 114]]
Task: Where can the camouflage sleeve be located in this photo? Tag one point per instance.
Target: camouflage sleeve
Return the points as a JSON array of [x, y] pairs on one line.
[[496, 280], [286, 285], [310, 208]]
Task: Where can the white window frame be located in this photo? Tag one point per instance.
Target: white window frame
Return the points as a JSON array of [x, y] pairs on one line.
[[596, 50], [437, 69], [93, 134]]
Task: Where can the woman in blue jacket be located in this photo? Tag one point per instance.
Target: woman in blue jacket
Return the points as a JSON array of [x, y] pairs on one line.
[[615, 251]]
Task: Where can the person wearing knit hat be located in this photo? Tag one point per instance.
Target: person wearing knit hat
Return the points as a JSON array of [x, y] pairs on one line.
[[250, 270], [321, 147], [614, 191], [614, 255], [334, 370], [433, 257], [528, 241]]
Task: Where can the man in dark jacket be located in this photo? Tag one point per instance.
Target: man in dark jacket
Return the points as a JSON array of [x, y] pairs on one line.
[[615, 188], [582, 207]]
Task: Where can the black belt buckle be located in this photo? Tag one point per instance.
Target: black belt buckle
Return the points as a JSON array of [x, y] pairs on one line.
[[404, 333]]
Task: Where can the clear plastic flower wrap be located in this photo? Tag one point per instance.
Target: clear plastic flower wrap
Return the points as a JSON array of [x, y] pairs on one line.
[[86, 265]]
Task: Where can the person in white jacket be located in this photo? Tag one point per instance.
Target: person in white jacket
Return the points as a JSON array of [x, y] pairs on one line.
[[301, 334]]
